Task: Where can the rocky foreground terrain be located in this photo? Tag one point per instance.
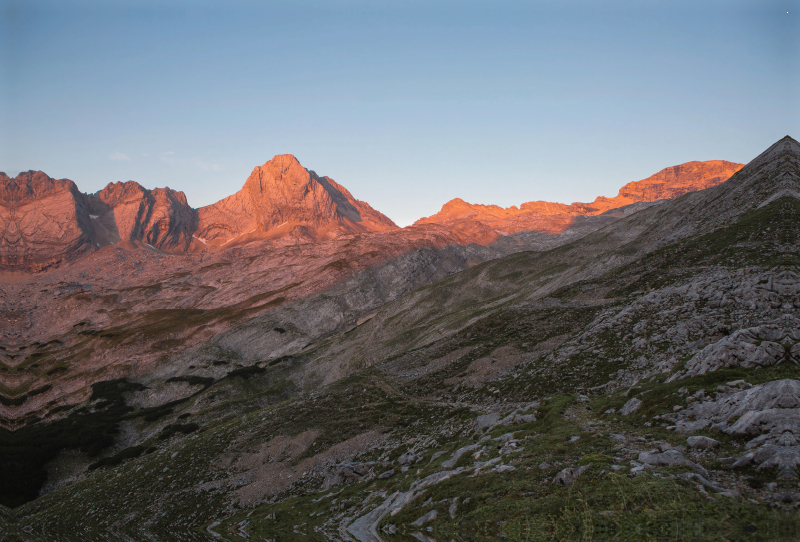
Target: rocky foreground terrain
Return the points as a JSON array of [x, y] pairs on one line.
[[633, 378]]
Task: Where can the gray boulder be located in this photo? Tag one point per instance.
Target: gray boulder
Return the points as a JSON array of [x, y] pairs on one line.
[[630, 407], [701, 442], [670, 457], [408, 458], [568, 476], [450, 463]]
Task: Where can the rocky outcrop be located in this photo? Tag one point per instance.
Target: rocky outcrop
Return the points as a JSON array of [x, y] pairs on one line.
[[753, 347], [554, 218], [764, 412], [44, 222], [567, 476], [770, 413], [282, 193], [129, 212]]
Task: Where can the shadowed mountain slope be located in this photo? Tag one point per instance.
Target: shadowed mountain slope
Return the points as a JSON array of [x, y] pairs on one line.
[[130, 213]]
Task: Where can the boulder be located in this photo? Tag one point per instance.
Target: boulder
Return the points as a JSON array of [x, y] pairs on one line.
[[701, 442], [670, 457], [567, 476], [630, 407], [408, 458], [450, 463]]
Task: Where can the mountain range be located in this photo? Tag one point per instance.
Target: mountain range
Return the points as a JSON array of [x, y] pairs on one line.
[[47, 222], [289, 364]]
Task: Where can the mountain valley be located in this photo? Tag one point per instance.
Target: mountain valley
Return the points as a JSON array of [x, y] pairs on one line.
[[289, 364]]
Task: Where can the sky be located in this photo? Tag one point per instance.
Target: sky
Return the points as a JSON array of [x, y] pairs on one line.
[[408, 104]]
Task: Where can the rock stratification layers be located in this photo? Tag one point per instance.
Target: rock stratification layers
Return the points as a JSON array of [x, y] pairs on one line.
[[44, 222]]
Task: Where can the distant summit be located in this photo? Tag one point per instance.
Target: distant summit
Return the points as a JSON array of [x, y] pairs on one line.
[[548, 217], [129, 213], [280, 197]]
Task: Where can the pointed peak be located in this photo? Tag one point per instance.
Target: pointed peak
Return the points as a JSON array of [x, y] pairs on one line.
[[283, 160], [773, 174], [127, 186], [786, 144]]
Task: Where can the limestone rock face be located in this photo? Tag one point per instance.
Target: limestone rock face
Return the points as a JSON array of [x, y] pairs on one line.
[[47, 222], [161, 218], [283, 193], [554, 218], [43, 222], [769, 412], [752, 347], [670, 183]]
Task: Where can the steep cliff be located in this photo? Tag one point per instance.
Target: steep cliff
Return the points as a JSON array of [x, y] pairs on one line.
[[283, 194], [161, 218], [44, 222]]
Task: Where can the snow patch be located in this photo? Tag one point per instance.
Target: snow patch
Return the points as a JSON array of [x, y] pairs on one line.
[[94, 217], [232, 238]]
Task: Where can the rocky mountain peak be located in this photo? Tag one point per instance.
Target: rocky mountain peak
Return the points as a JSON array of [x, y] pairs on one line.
[[282, 193], [283, 172], [30, 185], [43, 222], [128, 212], [651, 363]]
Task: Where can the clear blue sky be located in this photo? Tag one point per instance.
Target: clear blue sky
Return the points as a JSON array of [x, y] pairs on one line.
[[407, 104]]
